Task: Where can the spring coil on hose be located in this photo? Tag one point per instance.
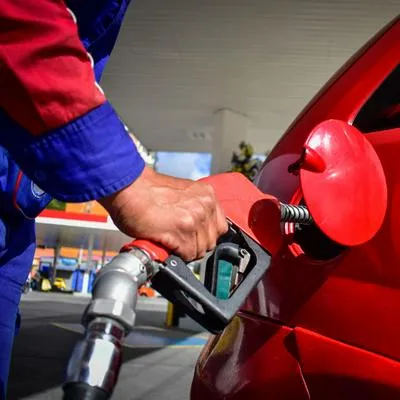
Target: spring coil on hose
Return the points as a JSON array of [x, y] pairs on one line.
[[296, 214]]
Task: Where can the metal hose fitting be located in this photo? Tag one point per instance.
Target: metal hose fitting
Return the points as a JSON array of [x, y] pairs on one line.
[[94, 365], [295, 214]]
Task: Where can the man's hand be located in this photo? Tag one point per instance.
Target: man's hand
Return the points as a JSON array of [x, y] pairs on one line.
[[182, 215]]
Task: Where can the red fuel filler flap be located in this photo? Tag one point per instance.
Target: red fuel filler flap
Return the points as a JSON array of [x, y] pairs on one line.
[[343, 183]]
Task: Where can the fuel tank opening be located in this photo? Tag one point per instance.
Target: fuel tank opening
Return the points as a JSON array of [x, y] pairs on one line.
[[309, 240], [314, 243]]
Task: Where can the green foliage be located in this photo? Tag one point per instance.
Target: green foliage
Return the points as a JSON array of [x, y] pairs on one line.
[[244, 162]]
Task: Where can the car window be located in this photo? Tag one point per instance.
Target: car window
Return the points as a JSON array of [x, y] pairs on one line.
[[382, 110]]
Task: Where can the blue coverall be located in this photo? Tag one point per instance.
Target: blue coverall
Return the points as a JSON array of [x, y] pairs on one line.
[[87, 158]]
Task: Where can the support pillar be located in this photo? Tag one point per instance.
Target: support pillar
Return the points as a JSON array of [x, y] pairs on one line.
[[80, 256], [89, 262], [90, 252], [230, 128], [104, 254], [57, 251]]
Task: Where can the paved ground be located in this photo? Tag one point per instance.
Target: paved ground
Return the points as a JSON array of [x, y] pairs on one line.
[[158, 363]]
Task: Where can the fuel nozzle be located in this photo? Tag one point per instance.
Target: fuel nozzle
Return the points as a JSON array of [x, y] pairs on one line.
[[93, 368], [94, 365]]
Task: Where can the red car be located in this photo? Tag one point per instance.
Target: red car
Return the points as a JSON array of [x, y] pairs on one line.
[[324, 322]]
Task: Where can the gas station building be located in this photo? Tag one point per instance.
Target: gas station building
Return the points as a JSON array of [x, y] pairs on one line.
[[202, 76]]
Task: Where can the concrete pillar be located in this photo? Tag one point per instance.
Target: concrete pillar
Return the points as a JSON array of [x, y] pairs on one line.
[[89, 261], [104, 254], [85, 283], [230, 128], [57, 251], [80, 256]]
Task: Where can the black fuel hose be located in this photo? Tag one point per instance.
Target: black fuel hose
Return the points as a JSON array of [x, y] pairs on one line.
[[83, 391], [295, 214]]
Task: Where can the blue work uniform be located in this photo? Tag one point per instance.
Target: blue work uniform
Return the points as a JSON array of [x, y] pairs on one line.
[[85, 156]]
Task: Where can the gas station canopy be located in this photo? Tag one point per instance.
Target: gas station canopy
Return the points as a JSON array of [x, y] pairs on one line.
[[178, 62], [78, 230]]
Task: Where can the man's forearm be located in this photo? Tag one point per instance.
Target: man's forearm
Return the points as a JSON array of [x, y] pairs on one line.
[[56, 121]]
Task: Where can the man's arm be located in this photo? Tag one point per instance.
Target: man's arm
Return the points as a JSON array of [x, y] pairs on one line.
[[59, 127], [55, 120]]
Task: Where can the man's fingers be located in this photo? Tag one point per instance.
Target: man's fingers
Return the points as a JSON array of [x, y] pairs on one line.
[[187, 248], [222, 223]]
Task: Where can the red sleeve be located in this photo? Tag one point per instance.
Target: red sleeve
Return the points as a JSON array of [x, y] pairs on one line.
[[46, 77]]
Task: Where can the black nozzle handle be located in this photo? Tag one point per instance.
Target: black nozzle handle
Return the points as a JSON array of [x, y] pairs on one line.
[[176, 282], [83, 391]]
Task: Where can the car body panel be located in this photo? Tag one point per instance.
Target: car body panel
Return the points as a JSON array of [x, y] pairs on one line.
[[334, 370], [337, 298], [348, 302], [261, 364]]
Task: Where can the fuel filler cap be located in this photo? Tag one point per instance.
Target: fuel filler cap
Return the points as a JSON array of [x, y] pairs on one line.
[[343, 183]]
